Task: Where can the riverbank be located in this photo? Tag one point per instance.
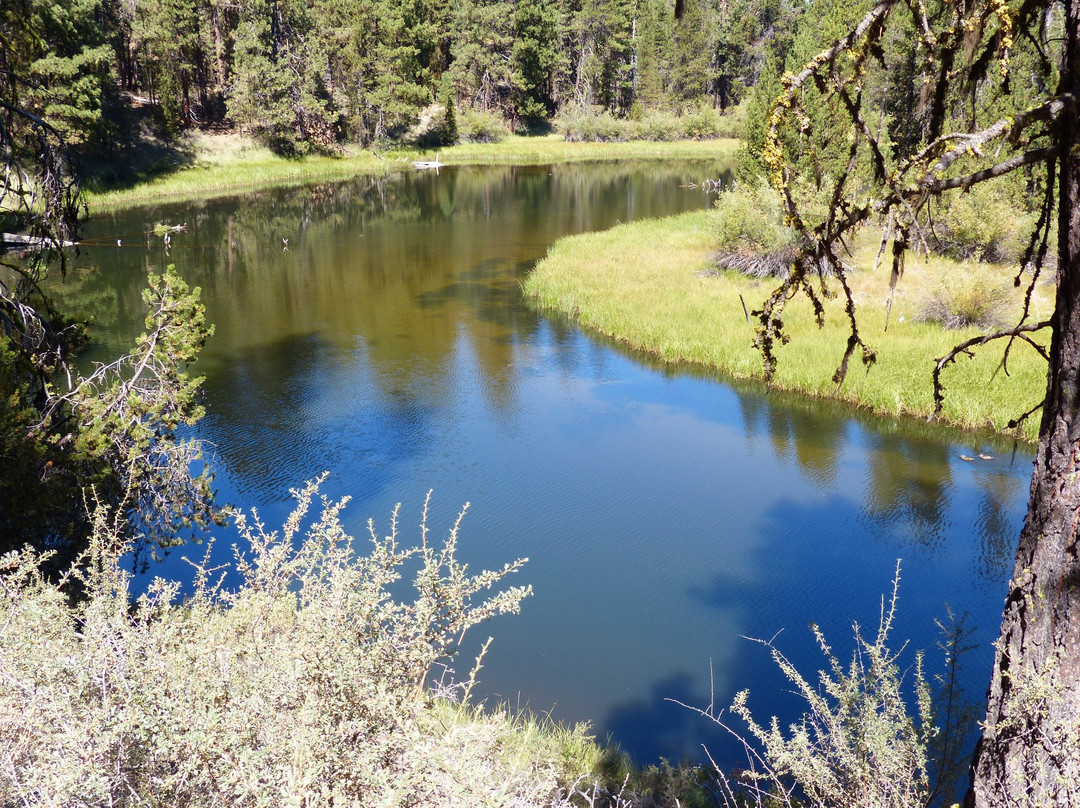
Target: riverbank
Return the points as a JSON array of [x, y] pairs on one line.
[[642, 284], [219, 165]]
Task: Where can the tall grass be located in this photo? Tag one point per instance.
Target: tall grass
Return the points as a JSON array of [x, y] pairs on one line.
[[646, 284]]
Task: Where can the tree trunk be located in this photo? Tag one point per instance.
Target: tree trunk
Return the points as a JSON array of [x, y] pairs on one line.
[[1029, 754]]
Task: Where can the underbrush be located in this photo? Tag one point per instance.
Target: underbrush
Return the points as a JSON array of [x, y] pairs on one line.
[[595, 124], [303, 685]]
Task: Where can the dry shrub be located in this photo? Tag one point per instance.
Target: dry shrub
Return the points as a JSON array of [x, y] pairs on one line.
[[962, 299], [302, 686], [856, 744]]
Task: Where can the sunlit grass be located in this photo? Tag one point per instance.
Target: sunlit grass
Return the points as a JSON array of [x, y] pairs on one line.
[[227, 164], [638, 284]]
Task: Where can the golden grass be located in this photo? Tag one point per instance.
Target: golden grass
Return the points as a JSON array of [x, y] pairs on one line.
[[637, 284], [227, 164]]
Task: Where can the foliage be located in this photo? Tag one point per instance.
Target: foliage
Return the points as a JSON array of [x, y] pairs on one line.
[[482, 67], [590, 123], [965, 299], [115, 430], [304, 682], [857, 744], [705, 122], [751, 217], [535, 58], [278, 94], [595, 124], [307, 76], [60, 57], [478, 126], [987, 223]]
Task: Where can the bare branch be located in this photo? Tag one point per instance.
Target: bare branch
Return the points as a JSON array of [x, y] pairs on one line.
[[965, 348]]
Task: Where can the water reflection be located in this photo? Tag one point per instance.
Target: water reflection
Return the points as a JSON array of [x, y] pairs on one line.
[[665, 514]]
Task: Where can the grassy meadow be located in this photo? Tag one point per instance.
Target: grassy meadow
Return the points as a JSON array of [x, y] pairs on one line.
[[217, 165], [641, 285]]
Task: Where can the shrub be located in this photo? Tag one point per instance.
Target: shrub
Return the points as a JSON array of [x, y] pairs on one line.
[[658, 125], [966, 298], [477, 126], [590, 123], [751, 235], [593, 123], [855, 745], [704, 123], [303, 685], [984, 224]]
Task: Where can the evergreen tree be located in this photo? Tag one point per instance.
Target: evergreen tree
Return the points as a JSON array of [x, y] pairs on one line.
[[278, 94], [603, 33], [60, 64], [534, 57], [735, 31], [653, 52], [482, 68], [690, 74]]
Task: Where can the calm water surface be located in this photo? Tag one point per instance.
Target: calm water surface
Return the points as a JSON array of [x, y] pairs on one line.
[[666, 516]]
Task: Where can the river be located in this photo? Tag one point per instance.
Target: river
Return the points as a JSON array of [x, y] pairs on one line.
[[375, 329]]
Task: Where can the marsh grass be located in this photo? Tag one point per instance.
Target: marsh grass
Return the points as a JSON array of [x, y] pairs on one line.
[[219, 165], [642, 285]]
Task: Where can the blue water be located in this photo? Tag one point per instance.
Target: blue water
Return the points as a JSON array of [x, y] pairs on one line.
[[667, 516]]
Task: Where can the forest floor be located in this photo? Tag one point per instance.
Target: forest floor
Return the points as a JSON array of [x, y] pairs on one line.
[[652, 286], [203, 164]]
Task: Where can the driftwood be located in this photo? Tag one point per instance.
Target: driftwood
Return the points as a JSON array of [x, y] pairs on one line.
[[425, 164], [36, 242]]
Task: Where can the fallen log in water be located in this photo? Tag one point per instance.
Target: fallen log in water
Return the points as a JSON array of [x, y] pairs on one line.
[[34, 242]]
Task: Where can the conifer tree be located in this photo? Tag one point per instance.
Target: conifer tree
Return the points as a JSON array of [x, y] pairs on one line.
[[482, 68], [535, 58], [278, 94]]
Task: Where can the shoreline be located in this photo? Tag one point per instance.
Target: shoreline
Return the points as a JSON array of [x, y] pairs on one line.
[[225, 165], [640, 285]]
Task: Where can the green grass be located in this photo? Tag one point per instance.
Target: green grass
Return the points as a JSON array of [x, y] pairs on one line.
[[218, 165], [637, 284]]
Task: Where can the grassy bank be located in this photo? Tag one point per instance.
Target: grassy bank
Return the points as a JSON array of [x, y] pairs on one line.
[[218, 165], [638, 284]]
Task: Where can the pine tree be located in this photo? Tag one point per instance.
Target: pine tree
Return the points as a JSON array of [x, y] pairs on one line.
[[278, 93], [690, 74], [534, 58], [482, 67], [59, 56]]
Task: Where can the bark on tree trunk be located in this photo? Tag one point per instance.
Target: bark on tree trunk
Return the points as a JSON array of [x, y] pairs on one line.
[[1029, 754]]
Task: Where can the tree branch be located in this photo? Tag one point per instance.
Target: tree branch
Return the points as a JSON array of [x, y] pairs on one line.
[[965, 348]]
